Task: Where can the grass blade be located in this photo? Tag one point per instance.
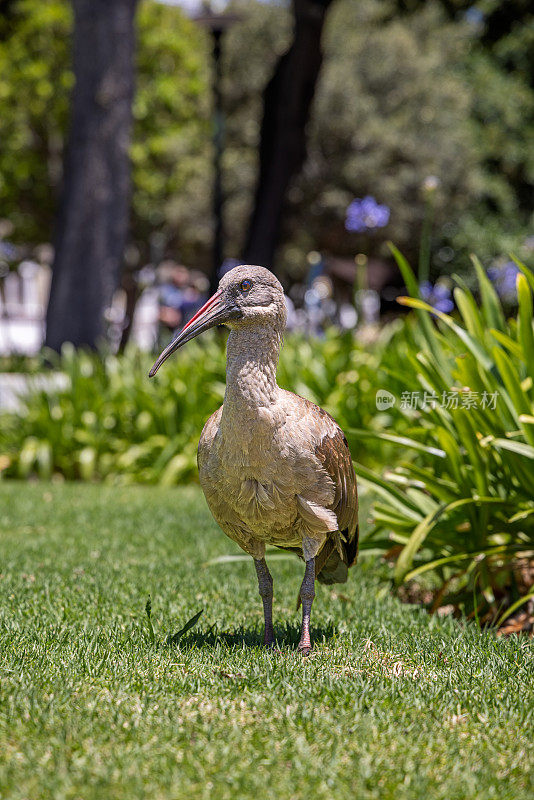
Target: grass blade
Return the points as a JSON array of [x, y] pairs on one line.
[[187, 627], [148, 610]]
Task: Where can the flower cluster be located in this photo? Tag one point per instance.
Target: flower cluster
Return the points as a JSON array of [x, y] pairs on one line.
[[366, 215], [438, 296], [8, 251], [504, 279]]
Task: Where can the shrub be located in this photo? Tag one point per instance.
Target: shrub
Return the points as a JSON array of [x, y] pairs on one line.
[[463, 509], [105, 420]]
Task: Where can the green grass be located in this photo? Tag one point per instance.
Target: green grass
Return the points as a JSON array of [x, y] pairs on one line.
[[392, 703]]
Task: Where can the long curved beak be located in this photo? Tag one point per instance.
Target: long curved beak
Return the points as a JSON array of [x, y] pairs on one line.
[[212, 313]]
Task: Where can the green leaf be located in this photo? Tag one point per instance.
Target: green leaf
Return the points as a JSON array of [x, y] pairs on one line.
[[510, 378], [527, 272], [437, 376], [515, 447], [387, 518], [473, 554], [474, 346], [442, 489], [520, 515], [471, 443], [408, 275], [514, 607], [405, 559], [470, 313], [524, 328], [381, 486], [450, 444], [424, 500], [403, 440], [412, 285], [491, 306], [187, 627], [508, 342]]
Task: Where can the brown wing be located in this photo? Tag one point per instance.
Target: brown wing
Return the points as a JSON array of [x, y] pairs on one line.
[[334, 454]]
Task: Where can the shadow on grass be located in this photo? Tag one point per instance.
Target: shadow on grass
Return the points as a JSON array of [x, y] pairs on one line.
[[287, 636]]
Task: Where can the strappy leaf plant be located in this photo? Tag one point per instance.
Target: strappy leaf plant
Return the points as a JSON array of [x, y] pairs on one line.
[[461, 506]]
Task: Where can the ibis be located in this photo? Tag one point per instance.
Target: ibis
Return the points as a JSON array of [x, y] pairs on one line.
[[275, 468]]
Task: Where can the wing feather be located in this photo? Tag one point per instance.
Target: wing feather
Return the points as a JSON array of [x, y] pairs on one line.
[[334, 455]]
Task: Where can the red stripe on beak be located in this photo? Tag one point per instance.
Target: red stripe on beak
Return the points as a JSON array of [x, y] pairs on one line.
[[214, 299], [199, 322]]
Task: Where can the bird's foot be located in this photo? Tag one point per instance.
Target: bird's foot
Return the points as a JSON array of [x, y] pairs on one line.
[[305, 646]]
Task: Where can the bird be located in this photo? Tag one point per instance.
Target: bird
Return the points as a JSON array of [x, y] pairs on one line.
[[275, 468]]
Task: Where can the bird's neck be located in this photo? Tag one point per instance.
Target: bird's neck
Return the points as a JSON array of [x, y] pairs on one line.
[[251, 362]]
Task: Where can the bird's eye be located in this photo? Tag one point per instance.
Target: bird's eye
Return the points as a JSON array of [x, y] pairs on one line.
[[245, 286]]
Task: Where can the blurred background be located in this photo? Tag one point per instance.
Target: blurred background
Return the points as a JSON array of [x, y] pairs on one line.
[[148, 146]]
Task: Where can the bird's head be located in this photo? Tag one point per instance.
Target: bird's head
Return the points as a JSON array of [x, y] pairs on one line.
[[247, 295]]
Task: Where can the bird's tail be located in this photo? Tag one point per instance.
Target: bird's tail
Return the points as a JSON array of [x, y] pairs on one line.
[[333, 562]]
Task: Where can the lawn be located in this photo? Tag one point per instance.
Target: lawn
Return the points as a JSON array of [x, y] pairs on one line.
[[392, 703]]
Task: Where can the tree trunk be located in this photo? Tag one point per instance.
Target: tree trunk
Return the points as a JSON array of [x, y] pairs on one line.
[[7, 8], [94, 207], [286, 109]]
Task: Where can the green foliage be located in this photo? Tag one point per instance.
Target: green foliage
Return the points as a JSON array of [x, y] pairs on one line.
[[399, 98], [109, 419], [502, 120], [392, 703], [464, 508], [392, 109], [103, 419], [171, 149], [171, 138], [35, 83]]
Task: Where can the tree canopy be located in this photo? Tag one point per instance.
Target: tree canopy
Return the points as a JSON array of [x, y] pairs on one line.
[[405, 93]]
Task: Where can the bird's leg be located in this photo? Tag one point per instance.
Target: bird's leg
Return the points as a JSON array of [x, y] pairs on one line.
[[265, 585], [307, 593]]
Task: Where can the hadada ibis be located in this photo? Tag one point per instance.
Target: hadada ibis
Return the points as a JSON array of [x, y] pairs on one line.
[[275, 468]]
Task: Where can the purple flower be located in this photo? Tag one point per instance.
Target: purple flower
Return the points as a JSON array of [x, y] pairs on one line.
[[8, 251], [504, 279], [365, 215], [438, 296]]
